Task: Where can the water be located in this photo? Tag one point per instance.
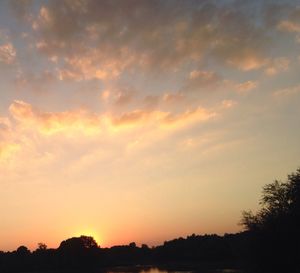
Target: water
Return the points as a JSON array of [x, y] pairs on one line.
[[148, 269], [157, 270]]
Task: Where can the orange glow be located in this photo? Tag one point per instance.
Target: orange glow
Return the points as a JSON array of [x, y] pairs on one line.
[[90, 232], [124, 128]]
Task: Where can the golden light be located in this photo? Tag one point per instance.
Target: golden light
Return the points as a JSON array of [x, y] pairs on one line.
[[89, 232]]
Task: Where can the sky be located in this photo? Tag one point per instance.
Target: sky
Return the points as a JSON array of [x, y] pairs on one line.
[[143, 120]]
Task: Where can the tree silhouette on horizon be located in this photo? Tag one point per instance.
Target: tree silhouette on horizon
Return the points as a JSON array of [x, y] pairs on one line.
[[268, 244], [275, 228]]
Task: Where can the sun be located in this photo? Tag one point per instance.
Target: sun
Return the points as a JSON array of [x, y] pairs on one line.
[[90, 232]]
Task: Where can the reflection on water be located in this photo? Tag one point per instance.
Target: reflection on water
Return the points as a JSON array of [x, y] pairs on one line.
[[149, 269], [157, 270]]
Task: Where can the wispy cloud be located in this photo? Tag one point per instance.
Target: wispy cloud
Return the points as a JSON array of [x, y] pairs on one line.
[[287, 92], [246, 86], [102, 39], [8, 52]]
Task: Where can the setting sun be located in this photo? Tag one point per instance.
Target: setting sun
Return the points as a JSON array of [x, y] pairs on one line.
[[91, 233]]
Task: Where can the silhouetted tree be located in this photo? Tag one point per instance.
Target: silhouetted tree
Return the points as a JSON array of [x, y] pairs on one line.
[[145, 246], [275, 228], [22, 251], [78, 243], [133, 244], [78, 252], [82, 253], [42, 247]]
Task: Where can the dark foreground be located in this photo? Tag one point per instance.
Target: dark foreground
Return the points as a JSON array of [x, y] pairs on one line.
[[270, 243], [147, 269], [83, 253], [203, 254]]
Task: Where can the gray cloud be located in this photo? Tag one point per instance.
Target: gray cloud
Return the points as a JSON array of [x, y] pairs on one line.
[[34, 81], [199, 80], [100, 39]]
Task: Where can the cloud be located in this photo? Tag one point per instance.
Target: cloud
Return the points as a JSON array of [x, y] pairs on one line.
[[7, 150], [4, 124], [290, 23], [119, 96], [277, 65], [205, 77], [289, 26], [35, 81], [124, 97], [7, 53], [44, 137], [164, 120], [287, 92], [199, 79], [21, 8], [247, 60], [102, 39], [70, 123], [7, 143], [191, 116], [94, 64], [49, 123], [173, 98], [131, 118], [228, 103], [246, 86], [71, 142]]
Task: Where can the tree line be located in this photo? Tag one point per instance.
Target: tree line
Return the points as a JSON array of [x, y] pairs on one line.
[[269, 243]]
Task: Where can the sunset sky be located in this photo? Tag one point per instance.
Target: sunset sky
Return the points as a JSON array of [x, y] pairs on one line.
[[143, 120]]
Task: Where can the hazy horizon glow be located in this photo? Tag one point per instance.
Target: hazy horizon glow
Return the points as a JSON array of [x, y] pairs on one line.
[[143, 120]]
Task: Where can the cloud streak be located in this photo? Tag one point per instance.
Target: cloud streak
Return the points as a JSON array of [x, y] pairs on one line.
[[28, 128], [89, 123]]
